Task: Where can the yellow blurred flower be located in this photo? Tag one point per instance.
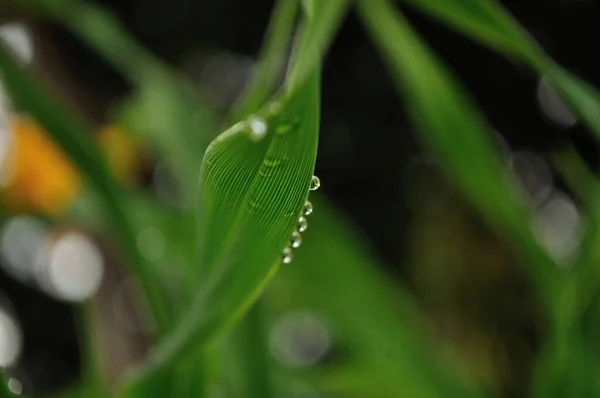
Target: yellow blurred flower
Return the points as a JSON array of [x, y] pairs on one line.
[[41, 179]]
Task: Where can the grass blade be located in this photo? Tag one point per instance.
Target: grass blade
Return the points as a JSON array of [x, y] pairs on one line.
[[253, 353], [74, 138], [252, 193], [486, 22], [315, 37], [271, 59], [456, 132], [336, 275]]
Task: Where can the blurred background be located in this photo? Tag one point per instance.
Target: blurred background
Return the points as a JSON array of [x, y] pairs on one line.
[[372, 167]]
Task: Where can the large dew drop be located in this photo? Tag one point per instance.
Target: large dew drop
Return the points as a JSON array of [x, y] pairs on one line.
[[287, 256], [302, 224], [296, 239], [308, 208], [315, 183], [258, 128]]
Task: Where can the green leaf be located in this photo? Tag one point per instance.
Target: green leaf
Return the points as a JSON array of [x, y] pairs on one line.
[[253, 356], [271, 59], [377, 324], [315, 37], [76, 141], [488, 23], [252, 193], [458, 135], [176, 123]]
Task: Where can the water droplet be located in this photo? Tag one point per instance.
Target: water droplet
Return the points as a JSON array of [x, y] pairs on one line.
[[315, 183], [302, 224], [287, 256], [296, 239], [258, 128], [308, 208]]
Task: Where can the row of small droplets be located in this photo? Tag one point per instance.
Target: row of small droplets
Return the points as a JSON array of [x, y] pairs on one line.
[[296, 238]]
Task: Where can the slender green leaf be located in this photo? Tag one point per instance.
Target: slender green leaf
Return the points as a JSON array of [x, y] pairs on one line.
[[315, 37], [377, 323], [271, 59], [175, 122], [253, 354], [252, 192], [458, 135], [75, 139], [485, 21]]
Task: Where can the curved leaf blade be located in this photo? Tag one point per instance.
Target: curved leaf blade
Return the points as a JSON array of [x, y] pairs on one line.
[[455, 130], [338, 275], [251, 196], [486, 22]]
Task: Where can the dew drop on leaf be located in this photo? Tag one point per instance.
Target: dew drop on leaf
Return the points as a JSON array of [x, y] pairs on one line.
[[302, 224], [308, 208], [315, 183], [296, 239], [287, 256], [258, 128]]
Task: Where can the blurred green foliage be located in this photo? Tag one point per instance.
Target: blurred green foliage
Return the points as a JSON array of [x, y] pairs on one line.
[[243, 194]]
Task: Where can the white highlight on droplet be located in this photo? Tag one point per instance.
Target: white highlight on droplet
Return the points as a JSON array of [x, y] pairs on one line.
[[552, 106], [258, 128], [18, 39], [10, 340], [74, 267]]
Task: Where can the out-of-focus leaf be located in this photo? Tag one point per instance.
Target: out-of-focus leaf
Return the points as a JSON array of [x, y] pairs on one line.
[[375, 321], [474, 17], [271, 59], [164, 109], [487, 22], [314, 39], [176, 123], [75, 139], [252, 192], [253, 359], [458, 135]]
